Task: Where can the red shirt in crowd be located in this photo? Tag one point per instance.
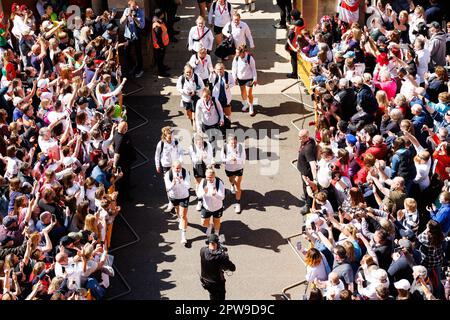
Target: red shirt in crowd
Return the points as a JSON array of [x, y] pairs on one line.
[[378, 152]]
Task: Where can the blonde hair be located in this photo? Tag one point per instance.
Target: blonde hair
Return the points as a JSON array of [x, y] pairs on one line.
[[410, 204], [90, 224], [165, 131], [382, 98]]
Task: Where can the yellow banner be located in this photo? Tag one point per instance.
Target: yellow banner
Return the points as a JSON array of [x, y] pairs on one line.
[[304, 68]]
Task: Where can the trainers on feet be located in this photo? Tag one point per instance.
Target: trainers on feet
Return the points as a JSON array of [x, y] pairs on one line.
[[245, 107], [252, 7], [183, 238], [247, 7], [237, 208]]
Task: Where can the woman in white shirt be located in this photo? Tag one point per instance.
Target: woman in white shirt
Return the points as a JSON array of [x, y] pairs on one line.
[[200, 36], [221, 11], [202, 64], [315, 265], [221, 82], [244, 73], [422, 59], [233, 156], [191, 88], [202, 156], [177, 183]]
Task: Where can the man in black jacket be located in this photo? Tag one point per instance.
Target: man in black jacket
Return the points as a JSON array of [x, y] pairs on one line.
[[214, 261], [160, 42]]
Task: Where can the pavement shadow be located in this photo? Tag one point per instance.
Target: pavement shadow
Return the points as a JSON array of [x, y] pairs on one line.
[[278, 198], [139, 262], [289, 107], [238, 233]]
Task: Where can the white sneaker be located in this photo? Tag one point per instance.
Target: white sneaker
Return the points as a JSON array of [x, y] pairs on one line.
[[170, 206], [247, 8], [245, 107], [233, 189], [183, 238], [237, 208], [222, 239], [252, 7], [252, 111], [208, 231], [199, 205]]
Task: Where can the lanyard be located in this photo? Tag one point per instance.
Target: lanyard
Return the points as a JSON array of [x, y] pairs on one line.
[[206, 105], [198, 32], [203, 61], [224, 8]]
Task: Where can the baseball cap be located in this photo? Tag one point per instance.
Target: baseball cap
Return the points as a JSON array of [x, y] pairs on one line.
[[212, 238], [420, 270], [380, 275], [349, 54], [66, 240], [408, 234], [45, 215], [9, 220], [46, 25], [351, 139], [405, 244], [402, 284], [434, 24]]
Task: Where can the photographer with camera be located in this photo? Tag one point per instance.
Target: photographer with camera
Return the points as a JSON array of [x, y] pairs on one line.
[[134, 18], [214, 261]]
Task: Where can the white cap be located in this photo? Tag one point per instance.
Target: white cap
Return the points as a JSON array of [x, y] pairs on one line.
[[47, 25], [402, 284], [43, 83], [420, 271], [379, 275]]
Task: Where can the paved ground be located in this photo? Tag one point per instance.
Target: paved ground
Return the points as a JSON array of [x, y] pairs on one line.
[[158, 267]]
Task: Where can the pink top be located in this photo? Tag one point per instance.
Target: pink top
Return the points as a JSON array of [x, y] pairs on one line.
[[390, 86]]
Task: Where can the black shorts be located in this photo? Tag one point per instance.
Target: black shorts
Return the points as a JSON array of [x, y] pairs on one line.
[[248, 83], [215, 214], [165, 169], [206, 82], [200, 170], [189, 106], [237, 173], [217, 30], [184, 203]]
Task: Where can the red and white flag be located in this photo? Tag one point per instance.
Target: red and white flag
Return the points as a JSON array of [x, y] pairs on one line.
[[348, 10]]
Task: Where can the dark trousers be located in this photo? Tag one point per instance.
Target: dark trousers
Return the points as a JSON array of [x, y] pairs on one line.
[[216, 290], [123, 184], [285, 10], [159, 58], [171, 12], [294, 62], [212, 132], [134, 61], [308, 199]]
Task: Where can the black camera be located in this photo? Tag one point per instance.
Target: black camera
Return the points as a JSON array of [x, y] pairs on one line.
[[322, 213]]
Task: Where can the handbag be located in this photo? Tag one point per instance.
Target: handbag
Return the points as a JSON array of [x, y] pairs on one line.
[[227, 47]]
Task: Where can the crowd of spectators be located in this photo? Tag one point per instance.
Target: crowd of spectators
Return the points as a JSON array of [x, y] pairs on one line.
[[63, 142], [376, 171]]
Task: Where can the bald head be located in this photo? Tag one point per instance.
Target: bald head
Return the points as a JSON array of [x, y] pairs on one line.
[[377, 140], [303, 133]]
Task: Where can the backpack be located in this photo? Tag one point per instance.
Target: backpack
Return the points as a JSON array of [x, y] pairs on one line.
[[96, 154], [162, 148], [405, 165], [239, 148], [205, 145], [183, 174], [226, 78], [183, 80], [228, 7], [218, 180], [248, 57]]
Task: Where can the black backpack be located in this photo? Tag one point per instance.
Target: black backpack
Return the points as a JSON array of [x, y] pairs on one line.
[[406, 167], [183, 80], [217, 78], [218, 180], [228, 7], [162, 148], [183, 174]]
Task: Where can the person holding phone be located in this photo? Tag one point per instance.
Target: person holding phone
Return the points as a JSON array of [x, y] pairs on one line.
[[177, 181]]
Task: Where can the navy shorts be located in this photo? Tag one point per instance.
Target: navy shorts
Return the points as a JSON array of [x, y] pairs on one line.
[[184, 203], [237, 173], [248, 83], [215, 214]]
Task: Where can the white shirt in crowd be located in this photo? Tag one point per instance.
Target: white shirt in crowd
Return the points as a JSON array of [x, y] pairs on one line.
[[178, 188], [189, 86], [241, 33], [242, 69], [216, 85], [318, 272], [200, 154], [212, 200], [197, 33], [423, 57], [208, 114], [171, 152], [222, 14], [202, 67], [234, 158]]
